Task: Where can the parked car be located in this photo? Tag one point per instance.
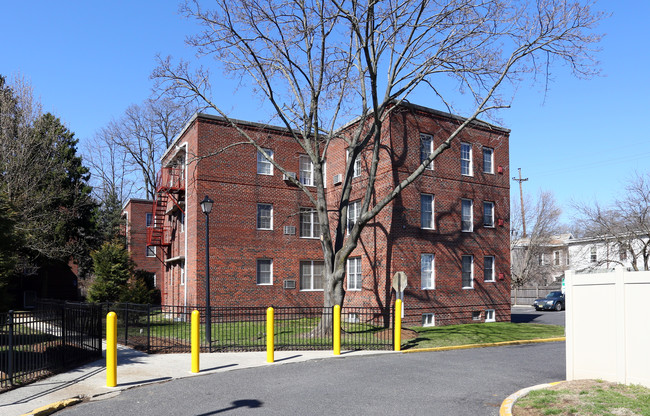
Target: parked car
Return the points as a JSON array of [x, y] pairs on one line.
[[552, 301]]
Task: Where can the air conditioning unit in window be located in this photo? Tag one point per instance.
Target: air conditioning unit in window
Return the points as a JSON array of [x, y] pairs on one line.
[[289, 230], [286, 176], [338, 179], [289, 284]]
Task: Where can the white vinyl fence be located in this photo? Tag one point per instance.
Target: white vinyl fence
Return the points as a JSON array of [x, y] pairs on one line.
[[608, 327]]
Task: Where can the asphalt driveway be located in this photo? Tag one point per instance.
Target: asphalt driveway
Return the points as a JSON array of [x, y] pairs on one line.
[[528, 314]]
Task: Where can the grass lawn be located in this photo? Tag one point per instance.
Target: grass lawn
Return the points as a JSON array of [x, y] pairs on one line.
[[585, 397], [484, 333]]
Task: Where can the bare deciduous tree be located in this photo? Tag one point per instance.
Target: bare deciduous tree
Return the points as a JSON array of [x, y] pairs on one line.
[[528, 264], [316, 63], [625, 225], [133, 144]]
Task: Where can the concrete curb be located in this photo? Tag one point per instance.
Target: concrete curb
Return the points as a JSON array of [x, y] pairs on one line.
[[509, 402], [491, 344], [54, 407]]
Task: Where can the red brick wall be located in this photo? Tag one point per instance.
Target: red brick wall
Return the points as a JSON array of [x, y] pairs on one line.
[[136, 232], [392, 242]]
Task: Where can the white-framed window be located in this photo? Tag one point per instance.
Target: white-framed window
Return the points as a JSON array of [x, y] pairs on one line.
[[264, 166], [151, 251], [466, 167], [354, 209], [264, 272], [182, 273], [149, 219], [354, 274], [468, 272], [311, 275], [306, 171], [593, 255], [488, 269], [467, 214], [309, 225], [264, 216], [427, 271], [489, 315], [426, 211], [428, 319], [426, 148], [356, 166], [488, 214], [155, 280], [488, 160], [556, 258]]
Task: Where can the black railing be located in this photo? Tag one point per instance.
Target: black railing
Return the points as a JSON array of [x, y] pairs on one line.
[[167, 329], [47, 340]]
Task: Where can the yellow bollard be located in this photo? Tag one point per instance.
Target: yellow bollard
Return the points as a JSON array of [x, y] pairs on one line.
[[337, 329], [398, 325], [269, 335], [111, 349], [196, 345]]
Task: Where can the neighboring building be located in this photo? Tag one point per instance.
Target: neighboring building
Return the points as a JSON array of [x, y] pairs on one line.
[[605, 253], [138, 217], [448, 231], [549, 258]]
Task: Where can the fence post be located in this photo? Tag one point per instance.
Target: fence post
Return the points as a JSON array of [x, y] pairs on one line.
[[269, 335], [10, 363], [196, 346], [126, 323], [148, 328], [337, 329], [398, 325], [111, 350]]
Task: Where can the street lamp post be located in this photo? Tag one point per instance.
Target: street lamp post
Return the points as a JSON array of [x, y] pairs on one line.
[[206, 207]]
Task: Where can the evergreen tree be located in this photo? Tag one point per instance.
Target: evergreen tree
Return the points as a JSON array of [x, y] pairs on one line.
[[113, 268]]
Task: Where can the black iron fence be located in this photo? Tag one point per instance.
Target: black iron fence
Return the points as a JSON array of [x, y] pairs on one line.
[[47, 340], [167, 329]]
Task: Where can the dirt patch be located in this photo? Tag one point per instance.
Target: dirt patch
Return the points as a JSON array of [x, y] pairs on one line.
[[388, 334], [571, 395]]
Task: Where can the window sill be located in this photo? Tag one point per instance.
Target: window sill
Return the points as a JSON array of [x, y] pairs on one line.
[[353, 290], [489, 281], [265, 284], [468, 288], [264, 229], [428, 288], [311, 290]]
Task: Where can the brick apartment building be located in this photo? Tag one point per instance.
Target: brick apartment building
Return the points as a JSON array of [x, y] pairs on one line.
[[448, 231], [138, 216]]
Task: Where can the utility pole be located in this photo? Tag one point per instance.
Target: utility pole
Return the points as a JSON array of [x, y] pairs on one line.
[[521, 196]]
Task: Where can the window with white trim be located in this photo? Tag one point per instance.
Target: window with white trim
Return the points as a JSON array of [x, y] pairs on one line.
[[593, 255], [311, 275], [489, 315], [151, 251], [306, 171], [354, 209], [356, 166], [466, 166], [427, 271], [264, 272], [488, 269], [309, 225], [428, 319], [182, 273], [264, 166], [488, 160], [488, 214], [426, 148], [354, 274], [467, 214], [426, 211], [264, 216], [149, 219], [468, 272], [556, 258]]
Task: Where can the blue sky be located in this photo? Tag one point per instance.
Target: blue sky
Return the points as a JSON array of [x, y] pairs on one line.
[[88, 61]]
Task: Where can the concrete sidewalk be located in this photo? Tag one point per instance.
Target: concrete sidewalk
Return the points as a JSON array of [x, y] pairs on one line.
[[136, 368]]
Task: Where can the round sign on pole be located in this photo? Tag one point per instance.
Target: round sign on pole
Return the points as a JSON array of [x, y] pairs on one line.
[[399, 282]]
